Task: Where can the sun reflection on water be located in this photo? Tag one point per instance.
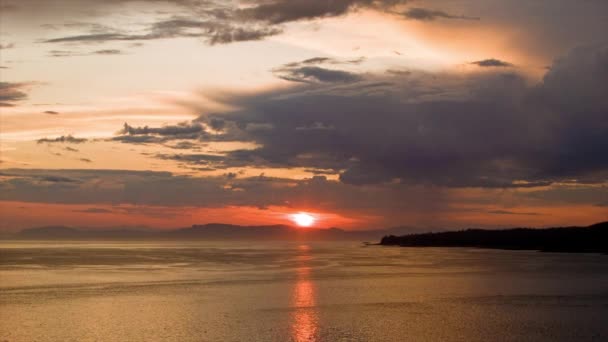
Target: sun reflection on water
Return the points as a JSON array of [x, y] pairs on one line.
[[305, 320]]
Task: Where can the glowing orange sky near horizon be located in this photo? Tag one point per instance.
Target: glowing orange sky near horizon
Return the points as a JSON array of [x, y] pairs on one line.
[[107, 216], [155, 217]]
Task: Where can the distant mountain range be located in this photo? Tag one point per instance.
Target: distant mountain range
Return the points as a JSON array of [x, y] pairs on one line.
[[212, 231], [593, 238]]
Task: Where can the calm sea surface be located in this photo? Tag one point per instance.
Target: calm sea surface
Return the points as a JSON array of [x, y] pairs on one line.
[[252, 291]]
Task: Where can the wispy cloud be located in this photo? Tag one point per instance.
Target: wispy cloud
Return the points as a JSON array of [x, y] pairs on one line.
[[63, 139], [492, 62], [424, 14], [12, 92]]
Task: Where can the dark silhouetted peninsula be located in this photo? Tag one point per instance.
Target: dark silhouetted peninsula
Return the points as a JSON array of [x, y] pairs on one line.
[[590, 239]]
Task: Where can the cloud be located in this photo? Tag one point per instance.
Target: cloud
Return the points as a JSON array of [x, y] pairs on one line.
[[58, 179], [222, 22], [12, 92], [283, 11], [169, 130], [212, 30], [62, 139], [51, 112], [69, 53], [539, 28], [507, 212], [308, 71], [185, 145], [108, 52], [492, 62], [98, 37], [309, 74], [7, 46], [323, 60], [145, 188], [490, 130], [395, 202], [185, 130], [238, 34], [417, 13]]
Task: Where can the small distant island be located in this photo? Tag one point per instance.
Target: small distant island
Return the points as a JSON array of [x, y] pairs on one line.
[[591, 239]]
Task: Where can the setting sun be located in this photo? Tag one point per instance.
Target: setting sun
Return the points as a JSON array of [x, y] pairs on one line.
[[303, 219]]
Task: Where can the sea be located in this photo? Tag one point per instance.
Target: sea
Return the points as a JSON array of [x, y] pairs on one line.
[[296, 291]]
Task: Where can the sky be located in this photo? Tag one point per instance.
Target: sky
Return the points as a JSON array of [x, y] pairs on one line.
[[364, 114]]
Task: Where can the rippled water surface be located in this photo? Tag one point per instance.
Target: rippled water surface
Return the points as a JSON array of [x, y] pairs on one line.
[[252, 291]]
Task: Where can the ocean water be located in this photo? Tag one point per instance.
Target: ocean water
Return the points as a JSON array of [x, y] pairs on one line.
[[297, 291]]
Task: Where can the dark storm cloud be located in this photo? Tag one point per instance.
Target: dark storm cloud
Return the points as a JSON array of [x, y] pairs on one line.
[[492, 62], [488, 130], [12, 92], [417, 13], [63, 139]]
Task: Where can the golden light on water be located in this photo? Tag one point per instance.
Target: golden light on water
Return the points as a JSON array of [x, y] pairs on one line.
[[305, 321]]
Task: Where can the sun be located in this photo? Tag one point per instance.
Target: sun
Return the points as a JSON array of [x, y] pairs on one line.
[[303, 219]]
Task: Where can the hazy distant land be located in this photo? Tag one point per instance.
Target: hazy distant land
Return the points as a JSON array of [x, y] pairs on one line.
[[593, 238], [212, 231]]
